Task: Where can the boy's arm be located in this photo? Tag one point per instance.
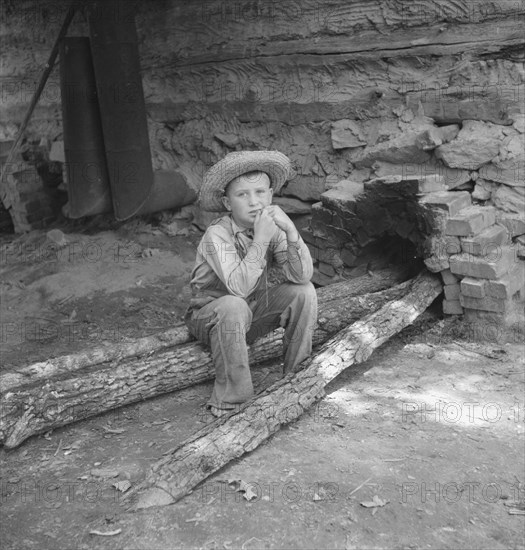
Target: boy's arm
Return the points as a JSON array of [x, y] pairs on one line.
[[291, 253], [239, 275]]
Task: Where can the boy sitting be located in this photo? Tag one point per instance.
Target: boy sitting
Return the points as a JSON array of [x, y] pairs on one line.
[[232, 303]]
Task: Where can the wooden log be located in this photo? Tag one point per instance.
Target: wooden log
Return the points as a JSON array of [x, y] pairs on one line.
[[202, 454], [51, 394], [284, 28]]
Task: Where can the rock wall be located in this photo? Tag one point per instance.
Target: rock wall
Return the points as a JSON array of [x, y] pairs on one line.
[[351, 91], [326, 82]]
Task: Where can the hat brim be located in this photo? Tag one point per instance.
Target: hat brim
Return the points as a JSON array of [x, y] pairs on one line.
[[274, 163]]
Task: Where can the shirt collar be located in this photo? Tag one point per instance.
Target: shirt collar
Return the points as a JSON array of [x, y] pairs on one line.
[[237, 229]]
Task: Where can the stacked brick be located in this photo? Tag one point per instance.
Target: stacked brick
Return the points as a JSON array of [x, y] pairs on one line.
[[477, 249], [27, 202], [485, 272], [23, 194]]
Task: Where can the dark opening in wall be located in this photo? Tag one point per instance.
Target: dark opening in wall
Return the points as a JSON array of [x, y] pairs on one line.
[[359, 227], [418, 222]]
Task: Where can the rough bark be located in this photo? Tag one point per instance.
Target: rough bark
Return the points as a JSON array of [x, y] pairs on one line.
[[60, 391], [173, 476]]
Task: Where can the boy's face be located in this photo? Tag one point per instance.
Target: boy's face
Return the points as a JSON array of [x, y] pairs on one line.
[[246, 195]]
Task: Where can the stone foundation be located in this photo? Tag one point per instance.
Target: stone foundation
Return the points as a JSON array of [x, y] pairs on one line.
[[353, 92], [362, 226]]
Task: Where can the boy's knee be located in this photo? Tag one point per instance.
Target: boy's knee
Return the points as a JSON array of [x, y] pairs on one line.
[[305, 290], [233, 308], [309, 290]]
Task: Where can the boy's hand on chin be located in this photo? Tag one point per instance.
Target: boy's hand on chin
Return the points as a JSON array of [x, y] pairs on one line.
[[264, 226]]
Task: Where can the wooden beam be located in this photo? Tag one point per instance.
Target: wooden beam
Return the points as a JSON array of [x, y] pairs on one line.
[[57, 392], [210, 449]]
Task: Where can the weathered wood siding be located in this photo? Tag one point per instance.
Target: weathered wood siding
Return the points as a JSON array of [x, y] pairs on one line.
[[219, 76]]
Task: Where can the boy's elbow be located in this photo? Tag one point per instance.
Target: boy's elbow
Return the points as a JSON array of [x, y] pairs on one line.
[[306, 278]]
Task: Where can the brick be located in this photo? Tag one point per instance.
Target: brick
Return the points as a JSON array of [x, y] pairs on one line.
[[448, 277], [486, 242], [509, 284], [487, 303], [438, 249], [471, 221], [450, 201], [452, 307], [452, 292], [474, 288], [442, 246], [436, 264], [515, 223], [483, 267], [57, 152]]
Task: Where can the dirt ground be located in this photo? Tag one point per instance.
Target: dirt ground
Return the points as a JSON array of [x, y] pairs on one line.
[[422, 446]]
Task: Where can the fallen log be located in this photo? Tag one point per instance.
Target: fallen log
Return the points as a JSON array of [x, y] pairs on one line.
[[202, 454], [54, 393]]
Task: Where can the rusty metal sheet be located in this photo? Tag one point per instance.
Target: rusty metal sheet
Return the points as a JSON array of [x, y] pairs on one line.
[[88, 182], [114, 47]]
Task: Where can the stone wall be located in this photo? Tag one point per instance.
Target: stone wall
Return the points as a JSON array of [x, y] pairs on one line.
[[351, 91], [317, 80]]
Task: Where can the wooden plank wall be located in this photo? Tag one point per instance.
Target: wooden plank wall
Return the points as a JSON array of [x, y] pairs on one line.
[[219, 76]]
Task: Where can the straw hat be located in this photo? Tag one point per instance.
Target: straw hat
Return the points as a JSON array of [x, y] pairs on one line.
[[273, 163]]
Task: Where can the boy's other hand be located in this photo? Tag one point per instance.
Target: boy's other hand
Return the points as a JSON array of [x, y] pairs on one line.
[[264, 226], [280, 218]]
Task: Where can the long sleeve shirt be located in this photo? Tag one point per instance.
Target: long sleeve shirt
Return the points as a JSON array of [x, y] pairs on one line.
[[229, 262]]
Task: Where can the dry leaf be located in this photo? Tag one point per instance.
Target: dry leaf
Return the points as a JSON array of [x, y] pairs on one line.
[[249, 493], [241, 486], [376, 502]]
